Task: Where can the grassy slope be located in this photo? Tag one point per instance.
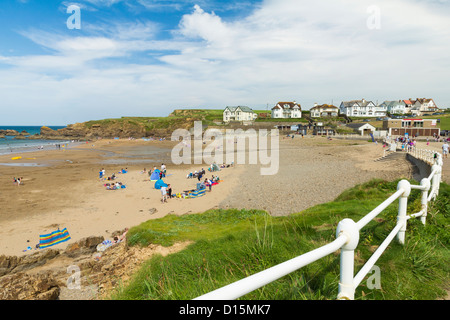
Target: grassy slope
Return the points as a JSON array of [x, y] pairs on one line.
[[232, 244]]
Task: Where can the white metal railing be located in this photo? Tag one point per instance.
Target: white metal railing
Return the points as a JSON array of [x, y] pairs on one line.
[[347, 238]]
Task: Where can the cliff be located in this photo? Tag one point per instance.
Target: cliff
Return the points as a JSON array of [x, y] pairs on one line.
[[125, 127]]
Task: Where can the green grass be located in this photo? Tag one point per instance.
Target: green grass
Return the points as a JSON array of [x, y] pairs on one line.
[[228, 245]]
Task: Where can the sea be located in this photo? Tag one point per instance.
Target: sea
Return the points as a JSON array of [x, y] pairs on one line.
[[10, 145]]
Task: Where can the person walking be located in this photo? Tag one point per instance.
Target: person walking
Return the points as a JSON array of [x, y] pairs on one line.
[[445, 149], [163, 194]]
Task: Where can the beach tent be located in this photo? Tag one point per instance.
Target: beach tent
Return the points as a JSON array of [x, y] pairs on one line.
[[160, 183], [155, 175], [51, 239], [215, 167]]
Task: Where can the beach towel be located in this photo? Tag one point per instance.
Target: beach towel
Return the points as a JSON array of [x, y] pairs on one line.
[[54, 238]]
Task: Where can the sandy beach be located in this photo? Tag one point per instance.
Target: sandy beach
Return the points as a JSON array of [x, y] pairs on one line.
[[62, 189]]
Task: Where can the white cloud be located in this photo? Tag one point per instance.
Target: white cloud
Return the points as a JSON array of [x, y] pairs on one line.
[[284, 49]]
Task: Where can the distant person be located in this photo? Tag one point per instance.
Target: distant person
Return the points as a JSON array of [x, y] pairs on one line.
[[163, 194], [169, 191], [445, 149]]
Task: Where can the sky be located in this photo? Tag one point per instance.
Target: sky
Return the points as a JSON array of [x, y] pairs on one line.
[[114, 58]]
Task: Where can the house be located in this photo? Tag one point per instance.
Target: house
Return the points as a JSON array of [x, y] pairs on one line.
[[395, 107], [361, 108], [239, 113], [413, 127], [408, 105], [362, 128], [286, 110], [323, 111], [423, 105]]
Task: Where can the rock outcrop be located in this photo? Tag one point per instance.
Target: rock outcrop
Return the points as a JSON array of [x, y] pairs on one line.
[[11, 132], [49, 274]]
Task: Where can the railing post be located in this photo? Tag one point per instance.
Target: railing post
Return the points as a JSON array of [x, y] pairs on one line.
[[425, 182], [402, 207], [435, 180], [350, 230]]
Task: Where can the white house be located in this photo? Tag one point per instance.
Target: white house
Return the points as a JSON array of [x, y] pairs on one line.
[[323, 110], [395, 107], [362, 108], [285, 110], [239, 113]]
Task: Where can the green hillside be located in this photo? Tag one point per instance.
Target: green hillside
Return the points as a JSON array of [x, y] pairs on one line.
[[229, 245]]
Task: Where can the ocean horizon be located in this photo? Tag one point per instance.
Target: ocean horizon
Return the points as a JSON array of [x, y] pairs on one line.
[[10, 145]]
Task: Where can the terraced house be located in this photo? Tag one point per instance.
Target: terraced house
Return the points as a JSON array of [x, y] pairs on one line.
[[362, 108], [239, 113]]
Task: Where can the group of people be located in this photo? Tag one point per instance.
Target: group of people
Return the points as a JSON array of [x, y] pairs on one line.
[[17, 181], [115, 186], [210, 182], [102, 174], [166, 193], [408, 144]]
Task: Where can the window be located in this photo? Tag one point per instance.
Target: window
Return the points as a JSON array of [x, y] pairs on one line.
[[418, 124], [406, 124]]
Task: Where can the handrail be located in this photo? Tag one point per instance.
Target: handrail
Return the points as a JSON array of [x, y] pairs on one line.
[[347, 238], [253, 282]]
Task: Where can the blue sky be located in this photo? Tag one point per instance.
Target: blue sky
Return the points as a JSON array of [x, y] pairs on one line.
[[149, 57]]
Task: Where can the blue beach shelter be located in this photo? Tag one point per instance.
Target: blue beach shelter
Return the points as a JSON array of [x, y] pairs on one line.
[[155, 175], [160, 183]]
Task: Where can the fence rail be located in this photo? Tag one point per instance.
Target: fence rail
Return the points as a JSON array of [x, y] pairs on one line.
[[347, 238]]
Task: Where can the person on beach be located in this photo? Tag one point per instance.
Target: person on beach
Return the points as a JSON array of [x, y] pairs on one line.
[[169, 191], [163, 194], [445, 149], [208, 183]]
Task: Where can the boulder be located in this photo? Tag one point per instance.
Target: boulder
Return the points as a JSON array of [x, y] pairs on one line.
[[84, 246]]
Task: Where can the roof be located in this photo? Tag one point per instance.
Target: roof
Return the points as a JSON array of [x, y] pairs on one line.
[[243, 108], [324, 106], [357, 125], [361, 103], [281, 105], [393, 103], [423, 100]]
